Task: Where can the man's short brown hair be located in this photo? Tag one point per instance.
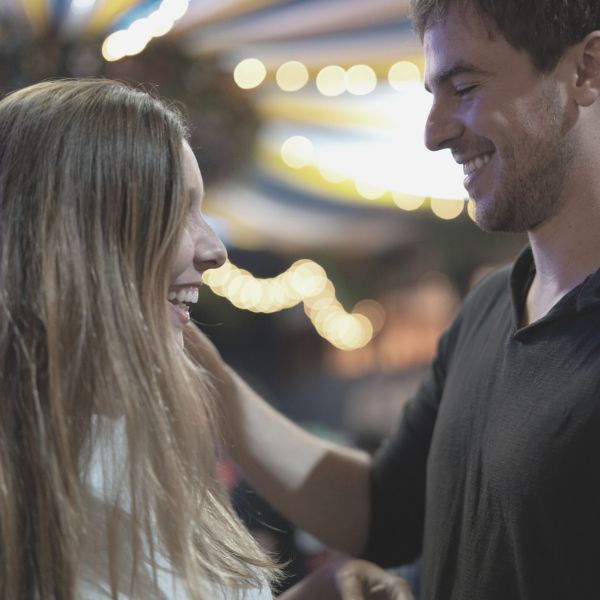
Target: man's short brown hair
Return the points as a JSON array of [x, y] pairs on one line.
[[544, 29]]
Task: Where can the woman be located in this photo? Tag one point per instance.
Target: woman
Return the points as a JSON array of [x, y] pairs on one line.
[[107, 483]]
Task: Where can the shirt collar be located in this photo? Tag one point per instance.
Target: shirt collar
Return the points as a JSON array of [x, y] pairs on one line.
[[589, 294], [582, 297], [521, 276]]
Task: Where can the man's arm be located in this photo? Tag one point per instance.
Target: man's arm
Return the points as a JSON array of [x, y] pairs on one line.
[[321, 487]]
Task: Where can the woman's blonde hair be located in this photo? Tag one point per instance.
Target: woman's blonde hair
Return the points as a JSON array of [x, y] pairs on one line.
[[91, 208]]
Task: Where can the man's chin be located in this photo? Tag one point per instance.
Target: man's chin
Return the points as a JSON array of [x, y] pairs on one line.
[[490, 220]]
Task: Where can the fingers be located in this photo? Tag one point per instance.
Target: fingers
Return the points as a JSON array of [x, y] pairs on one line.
[[361, 580], [350, 583], [319, 585]]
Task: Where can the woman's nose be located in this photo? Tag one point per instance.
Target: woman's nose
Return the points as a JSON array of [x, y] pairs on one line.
[[210, 250]]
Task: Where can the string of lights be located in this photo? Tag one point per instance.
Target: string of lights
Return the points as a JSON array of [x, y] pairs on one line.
[[331, 80], [304, 282], [133, 40]]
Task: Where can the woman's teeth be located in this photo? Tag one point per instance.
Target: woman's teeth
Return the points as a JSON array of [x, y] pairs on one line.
[[188, 295], [476, 163]]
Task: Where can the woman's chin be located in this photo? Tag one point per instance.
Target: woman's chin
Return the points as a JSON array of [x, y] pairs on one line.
[[178, 319], [176, 330], [177, 336]]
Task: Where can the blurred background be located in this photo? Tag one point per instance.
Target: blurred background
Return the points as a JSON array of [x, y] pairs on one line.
[[350, 245]]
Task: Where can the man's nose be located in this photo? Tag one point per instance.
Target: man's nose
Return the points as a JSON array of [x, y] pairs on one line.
[[210, 250], [442, 127]]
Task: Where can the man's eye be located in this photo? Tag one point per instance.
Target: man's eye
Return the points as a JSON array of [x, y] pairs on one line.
[[464, 90]]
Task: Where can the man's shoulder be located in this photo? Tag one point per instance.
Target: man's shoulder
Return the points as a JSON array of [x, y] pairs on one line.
[[491, 284], [488, 302]]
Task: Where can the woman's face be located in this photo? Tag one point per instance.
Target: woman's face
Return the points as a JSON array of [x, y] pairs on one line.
[[199, 250]]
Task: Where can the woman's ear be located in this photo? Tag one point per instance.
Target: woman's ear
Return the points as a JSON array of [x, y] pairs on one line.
[[587, 56]]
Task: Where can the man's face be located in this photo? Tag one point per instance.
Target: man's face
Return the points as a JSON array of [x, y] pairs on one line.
[[503, 120]]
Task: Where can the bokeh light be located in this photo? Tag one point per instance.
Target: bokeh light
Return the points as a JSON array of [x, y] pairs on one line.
[[471, 210], [172, 10], [298, 152], [292, 76], [361, 80], [407, 202], [331, 80], [115, 46], [307, 282], [403, 72], [331, 175], [159, 24], [135, 38], [447, 209], [374, 311], [369, 191], [249, 73]]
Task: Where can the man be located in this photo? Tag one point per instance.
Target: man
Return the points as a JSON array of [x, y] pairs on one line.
[[493, 473]]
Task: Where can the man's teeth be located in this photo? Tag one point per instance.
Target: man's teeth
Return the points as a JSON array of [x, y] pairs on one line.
[[476, 163], [189, 296]]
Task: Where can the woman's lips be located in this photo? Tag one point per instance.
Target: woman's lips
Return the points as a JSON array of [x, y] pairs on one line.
[[178, 299], [179, 312]]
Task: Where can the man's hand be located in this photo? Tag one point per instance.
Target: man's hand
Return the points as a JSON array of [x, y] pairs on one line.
[[362, 580], [350, 580]]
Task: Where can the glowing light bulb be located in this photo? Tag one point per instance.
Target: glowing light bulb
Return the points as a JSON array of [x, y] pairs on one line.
[[447, 209], [331, 81], [403, 72], [298, 152], [407, 202], [173, 9], [308, 278], [373, 311], [305, 281], [471, 210], [137, 36], [249, 73], [331, 175], [292, 76], [368, 191], [115, 46], [159, 24], [361, 80]]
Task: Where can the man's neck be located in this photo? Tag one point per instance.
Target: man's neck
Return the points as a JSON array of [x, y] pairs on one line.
[[566, 249]]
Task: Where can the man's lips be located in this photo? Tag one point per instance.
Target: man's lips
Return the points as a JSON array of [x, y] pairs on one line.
[[476, 163], [473, 166]]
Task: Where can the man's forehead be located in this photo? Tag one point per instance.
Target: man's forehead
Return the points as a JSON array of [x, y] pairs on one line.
[[460, 25], [455, 45]]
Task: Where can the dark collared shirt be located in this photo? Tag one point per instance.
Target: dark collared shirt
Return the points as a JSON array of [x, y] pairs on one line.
[[493, 474]]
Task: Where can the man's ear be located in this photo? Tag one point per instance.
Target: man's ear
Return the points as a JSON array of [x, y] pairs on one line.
[[587, 55]]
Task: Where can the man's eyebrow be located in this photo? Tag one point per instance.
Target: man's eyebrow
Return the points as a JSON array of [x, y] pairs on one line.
[[458, 69]]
